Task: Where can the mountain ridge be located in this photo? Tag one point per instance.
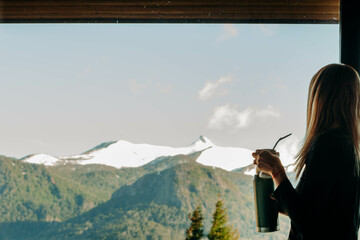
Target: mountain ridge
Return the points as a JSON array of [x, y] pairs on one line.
[[122, 153], [102, 202]]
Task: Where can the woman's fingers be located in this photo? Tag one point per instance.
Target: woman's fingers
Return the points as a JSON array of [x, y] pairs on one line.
[[267, 156], [257, 152], [264, 151], [258, 156], [265, 160]]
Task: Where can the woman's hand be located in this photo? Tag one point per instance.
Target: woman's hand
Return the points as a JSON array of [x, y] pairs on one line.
[[270, 163]]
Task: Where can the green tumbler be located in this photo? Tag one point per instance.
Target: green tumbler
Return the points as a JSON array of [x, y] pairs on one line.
[[265, 208]]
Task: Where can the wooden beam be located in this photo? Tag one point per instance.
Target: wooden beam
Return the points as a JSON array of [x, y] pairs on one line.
[[173, 11]]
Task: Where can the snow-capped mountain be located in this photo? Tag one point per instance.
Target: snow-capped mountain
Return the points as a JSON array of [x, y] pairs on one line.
[[41, 158], [125, 154]]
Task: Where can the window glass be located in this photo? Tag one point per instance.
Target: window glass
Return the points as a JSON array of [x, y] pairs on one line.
[[68, 88]]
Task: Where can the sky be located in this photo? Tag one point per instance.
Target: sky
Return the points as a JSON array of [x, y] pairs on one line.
[[66, 88]]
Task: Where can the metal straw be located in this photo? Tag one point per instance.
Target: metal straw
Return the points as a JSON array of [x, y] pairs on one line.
[[280, 140]]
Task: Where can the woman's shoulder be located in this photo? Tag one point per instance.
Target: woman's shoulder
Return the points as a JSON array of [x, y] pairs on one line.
[[333, 145], [333, 138]]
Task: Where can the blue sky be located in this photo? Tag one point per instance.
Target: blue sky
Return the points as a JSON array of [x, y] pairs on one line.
[[66, 88]]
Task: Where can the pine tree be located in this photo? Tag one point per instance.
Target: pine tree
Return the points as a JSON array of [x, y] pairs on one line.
[[220, 229], [196, 229]]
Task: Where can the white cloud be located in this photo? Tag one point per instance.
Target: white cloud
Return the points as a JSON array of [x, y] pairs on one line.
[[229, 31], [269, 111], [229, 116], [223, 115], [213, 88], [243, 118], [288, 148]]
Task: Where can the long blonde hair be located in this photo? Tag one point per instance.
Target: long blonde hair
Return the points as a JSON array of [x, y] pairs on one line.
[[333, 101]]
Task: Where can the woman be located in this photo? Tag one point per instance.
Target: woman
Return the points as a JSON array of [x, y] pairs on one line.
[[325, 203]]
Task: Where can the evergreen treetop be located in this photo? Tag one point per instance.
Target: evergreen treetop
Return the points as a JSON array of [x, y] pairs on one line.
[[196, 229], [220, 229]]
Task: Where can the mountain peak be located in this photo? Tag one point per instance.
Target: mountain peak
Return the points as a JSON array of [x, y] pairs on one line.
[[203, 139], [100, 146], [203, 142]]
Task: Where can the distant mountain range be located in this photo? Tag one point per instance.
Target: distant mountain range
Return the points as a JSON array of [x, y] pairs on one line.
[[121, 190], [125, 154]]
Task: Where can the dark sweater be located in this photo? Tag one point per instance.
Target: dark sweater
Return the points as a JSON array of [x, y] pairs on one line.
[[325, 203]]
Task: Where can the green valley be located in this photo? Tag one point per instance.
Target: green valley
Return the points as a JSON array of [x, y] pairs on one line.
[[100, 202]]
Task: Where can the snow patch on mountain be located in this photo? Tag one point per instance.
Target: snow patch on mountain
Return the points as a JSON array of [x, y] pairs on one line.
[[250, 170], [44, 159], [227, 158]]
